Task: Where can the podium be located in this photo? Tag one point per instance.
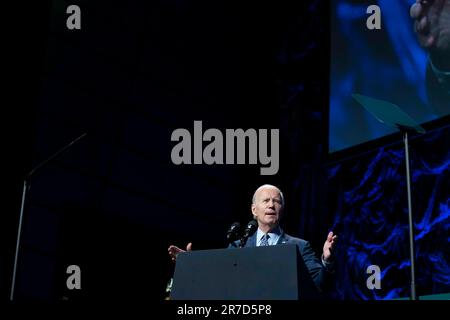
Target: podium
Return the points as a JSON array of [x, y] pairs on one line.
[[258, 273]]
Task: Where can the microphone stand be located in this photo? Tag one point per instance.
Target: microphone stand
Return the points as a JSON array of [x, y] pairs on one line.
[[26, 184], [391, 115], [244, 238], [410, 217], [249, 230], [242, 242]]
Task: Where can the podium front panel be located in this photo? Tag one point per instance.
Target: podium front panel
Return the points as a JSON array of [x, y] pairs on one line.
[[258, 273]]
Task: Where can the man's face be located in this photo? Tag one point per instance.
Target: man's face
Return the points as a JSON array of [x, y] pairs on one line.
[[267, 207]]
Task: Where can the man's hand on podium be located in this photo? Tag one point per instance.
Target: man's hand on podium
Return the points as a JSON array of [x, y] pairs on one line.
[[174, 250]]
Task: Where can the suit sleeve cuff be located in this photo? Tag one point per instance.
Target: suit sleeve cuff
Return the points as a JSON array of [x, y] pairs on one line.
[[329, 266]]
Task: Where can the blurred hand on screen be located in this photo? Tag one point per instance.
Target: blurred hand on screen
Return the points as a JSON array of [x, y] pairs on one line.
[[432, 25]]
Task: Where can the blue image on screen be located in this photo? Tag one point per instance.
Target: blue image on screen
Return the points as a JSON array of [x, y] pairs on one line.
[[387, 64]]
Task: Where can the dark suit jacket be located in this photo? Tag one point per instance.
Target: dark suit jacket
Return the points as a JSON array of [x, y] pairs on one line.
[[319, 274]]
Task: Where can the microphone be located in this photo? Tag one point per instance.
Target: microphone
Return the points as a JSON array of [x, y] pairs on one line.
[[249, 230], [233, 232]]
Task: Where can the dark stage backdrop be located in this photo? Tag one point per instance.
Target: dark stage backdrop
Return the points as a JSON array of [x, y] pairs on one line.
[[135, 72], [138, 70]]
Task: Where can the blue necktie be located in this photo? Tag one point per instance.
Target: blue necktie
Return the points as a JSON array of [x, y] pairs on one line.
[[264, 240]]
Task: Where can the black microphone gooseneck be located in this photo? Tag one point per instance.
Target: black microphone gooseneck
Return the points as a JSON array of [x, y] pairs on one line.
[[249, 230]]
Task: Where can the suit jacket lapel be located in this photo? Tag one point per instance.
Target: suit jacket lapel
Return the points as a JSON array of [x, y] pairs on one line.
[[282, 239]]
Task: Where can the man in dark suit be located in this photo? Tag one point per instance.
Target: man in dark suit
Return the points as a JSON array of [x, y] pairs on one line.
[[432, 26], [267, 208]]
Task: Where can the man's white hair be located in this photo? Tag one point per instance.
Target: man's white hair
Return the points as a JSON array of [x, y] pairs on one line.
[[269, 186]]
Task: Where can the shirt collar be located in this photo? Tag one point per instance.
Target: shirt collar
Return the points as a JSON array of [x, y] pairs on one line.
[[274, 235]]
